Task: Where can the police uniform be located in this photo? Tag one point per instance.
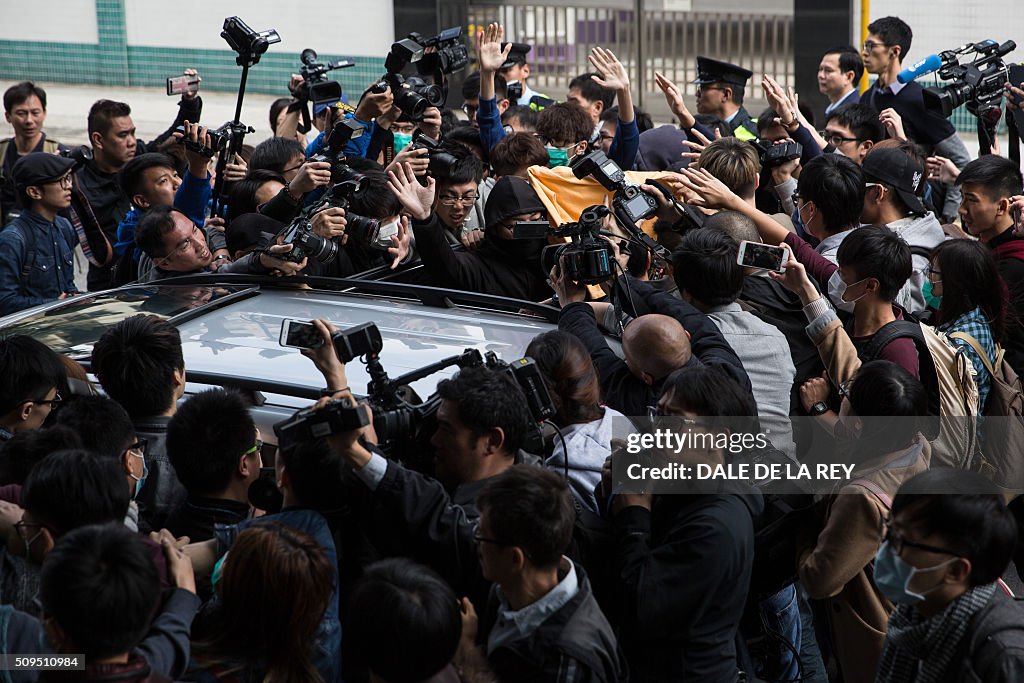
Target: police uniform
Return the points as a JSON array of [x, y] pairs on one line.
[[530, 98], [714, 71]]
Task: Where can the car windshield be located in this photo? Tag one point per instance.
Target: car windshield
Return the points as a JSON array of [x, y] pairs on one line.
[[74, 328]]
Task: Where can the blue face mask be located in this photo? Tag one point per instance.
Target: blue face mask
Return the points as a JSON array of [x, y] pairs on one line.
[[139, 481], [557, 156], [893, 575], [930, 299], [402, 140]]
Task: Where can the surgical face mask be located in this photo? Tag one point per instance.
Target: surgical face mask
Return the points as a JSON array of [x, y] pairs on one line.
[[402, 140], [837, 290], [930, 298], [557, 156], [139, 481], [893, 575]]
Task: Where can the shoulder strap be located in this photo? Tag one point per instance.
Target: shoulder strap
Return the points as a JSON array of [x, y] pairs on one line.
[[30, 250], [897, 329], [875, 489], [918, 250], [50, 146], [978, 350]]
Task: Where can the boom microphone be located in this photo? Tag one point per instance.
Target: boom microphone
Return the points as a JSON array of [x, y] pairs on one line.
[[929, 64]]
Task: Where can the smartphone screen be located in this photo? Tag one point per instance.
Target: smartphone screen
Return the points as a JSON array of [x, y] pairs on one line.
[[757, 255], [300, 335], [176, 85]]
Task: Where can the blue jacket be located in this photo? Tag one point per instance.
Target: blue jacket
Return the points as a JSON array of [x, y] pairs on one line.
[[36, 262], [191, 199]]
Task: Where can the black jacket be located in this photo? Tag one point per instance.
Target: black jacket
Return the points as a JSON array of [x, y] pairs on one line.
[[684, 571], [993, 648], [573, 645], [511, 269], [621, 389], [1009, 254], [162, 491]]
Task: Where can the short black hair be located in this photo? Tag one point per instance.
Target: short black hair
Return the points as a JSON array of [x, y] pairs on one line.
[[974, 283], [895, 32], [151, 229], [876, 251], [998, 175], [19, 92], [532, 508], [710, 392], [135, 361], [964, 509], [892, 404], [27, 447], [488, 399], [517, 151], [767, 120], [471, 87], [99, 583], [102, 114], [275, 154], [836, 186], [243, 192], [28, 370], [850, 60], [74, 488], [527, 116], [704, 265], [376, 201], [399, 600], [312, 468], [861, 119], [591, 91], [468, 169], [275, 110], [206, 439], [101, 423], [466, 135], [130, 175]]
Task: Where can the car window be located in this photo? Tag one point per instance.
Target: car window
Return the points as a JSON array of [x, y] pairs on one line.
[[72, 329]]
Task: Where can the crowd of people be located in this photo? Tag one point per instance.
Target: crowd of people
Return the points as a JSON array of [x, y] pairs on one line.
[[203, 554]]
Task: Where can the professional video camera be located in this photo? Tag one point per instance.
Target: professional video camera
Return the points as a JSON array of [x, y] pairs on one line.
[[771, 155], [436, 57], [441, 162], [316, 88], [978, 84], [589, 259], [403, 423]]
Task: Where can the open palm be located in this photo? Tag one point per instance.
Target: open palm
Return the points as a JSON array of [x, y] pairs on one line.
[[613, 73], [488, 47]]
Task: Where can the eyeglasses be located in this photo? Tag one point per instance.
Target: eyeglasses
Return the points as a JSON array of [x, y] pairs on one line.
[[64, 182], [483, 539], [898, 543], [22, 527], [870, 45], [256, 447], [467, 200], [182, 247], [52, 402], [835, 139], [470, 110], [701, 87], [932, 274]]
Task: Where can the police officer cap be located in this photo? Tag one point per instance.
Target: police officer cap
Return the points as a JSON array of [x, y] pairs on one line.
[[38, 168], [713, 71], [517, 55]]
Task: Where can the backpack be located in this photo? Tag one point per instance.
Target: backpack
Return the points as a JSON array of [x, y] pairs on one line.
[[1003, 450], [949, 377]]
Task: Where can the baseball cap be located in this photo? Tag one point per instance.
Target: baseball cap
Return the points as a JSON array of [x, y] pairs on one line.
[[898, 170]]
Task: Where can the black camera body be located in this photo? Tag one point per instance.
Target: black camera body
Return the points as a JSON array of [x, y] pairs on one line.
[[334, 150], [773, 155], [80, 155], [979, 84], [435, 57], [441, 162], [445, 52], [299, 232], [514, 92], [250, 45], [412, 95], [316, 86], [337, 417], [629, 201], [361, 340], [589, 259]]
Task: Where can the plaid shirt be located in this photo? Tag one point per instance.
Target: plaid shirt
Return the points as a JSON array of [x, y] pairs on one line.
[[974, 324]]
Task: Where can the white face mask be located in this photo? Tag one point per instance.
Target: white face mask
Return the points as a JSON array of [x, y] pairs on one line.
[[837, 290]]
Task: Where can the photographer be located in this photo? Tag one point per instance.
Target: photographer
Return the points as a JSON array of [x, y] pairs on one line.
[[25, 110], [672, 334], [178, 246], [500, 265]]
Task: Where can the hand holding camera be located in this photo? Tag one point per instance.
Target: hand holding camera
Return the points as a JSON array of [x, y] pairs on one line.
[[565, 289], [795, 278], [416, 157], [272, 261], [330, 224], [431, 123], [373, 104], [198, 148], [311, 175]]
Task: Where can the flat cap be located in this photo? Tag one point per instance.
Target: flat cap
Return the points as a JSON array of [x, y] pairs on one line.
[[37, 168]]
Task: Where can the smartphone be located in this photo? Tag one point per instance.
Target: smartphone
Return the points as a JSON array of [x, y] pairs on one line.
[[763, 256], [300, 334], [178, 85], [1016, 75]]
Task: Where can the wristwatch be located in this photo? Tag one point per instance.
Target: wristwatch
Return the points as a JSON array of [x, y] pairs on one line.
[[819, 408]]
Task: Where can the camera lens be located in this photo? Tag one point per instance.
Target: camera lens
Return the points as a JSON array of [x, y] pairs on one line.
[[308, 56]]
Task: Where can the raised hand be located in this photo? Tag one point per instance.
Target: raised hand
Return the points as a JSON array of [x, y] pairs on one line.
[[712, 192], [893, 123], [416, 198], [613, 73], [674, 98], [401, 244], [489, 54]]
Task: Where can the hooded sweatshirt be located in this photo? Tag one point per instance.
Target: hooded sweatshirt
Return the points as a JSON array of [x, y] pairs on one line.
[[588, 445], [926, 233]]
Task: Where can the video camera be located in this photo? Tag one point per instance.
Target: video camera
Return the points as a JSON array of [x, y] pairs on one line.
[[219, 139], [979, 84], [316, 87], [772, 155], [436, 57], [589, 259], [249, 44], [441, 162], [400, 419]]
